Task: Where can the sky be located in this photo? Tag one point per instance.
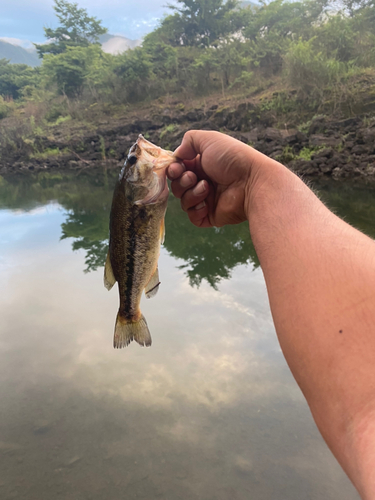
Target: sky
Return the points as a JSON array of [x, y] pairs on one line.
[[24, 19]]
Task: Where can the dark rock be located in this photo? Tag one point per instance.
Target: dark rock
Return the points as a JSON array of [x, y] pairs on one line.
[[208, 125], [336, 173], [166, 120], [368, 136], [323, 153], [326, 167], [297, 138], [275, 154], [271, 134], [317, 126], [251, 136], [359, 149], [305, 167], [194, 116], [221, 117]]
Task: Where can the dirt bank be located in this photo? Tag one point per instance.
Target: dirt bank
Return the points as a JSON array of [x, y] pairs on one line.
[[326, 148]]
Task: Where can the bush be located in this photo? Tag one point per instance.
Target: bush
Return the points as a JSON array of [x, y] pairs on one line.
[[310, 72], [5, 107]]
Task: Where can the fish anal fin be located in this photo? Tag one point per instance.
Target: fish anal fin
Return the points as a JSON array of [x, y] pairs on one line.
[[152, 286], [109, 277], [128, 330]]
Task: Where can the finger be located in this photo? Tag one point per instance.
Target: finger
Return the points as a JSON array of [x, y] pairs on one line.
[[175, 170], [199, 215], [194, 197], [187, 181], [193, 143]]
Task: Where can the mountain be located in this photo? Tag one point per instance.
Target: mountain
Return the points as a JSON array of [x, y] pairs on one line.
[[245, 4], [112, 44], [18, 55]]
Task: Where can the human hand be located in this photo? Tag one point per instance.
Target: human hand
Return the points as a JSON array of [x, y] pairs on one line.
[[214, 179]]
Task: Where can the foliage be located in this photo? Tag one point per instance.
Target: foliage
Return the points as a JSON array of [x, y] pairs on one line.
[[309, 46], [15, 77], [76, 28], [74, 68], [47, 153], [311, 71], [134, 72], [201, 22], [6, 107]]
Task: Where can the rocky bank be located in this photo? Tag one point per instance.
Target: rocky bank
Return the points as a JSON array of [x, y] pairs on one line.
[[321, 148]]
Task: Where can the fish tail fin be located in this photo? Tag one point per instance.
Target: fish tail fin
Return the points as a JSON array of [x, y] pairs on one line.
[[127, 330]]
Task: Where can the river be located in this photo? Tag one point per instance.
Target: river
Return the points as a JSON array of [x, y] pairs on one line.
[[209, 412]]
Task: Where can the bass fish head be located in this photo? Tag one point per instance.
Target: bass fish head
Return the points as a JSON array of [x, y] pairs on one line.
[[146, 168]]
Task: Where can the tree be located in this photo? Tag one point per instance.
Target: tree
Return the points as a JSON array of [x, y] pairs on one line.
[[15, 77], [76, 29], [201, 22], [134, 70], [72, 69]]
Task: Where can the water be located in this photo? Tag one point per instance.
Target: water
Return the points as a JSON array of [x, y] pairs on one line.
[[209, 412]]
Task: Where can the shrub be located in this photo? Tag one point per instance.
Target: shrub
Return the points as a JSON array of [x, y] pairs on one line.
[[310, 72]]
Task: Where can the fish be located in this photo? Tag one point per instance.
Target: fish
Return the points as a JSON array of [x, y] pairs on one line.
[[137, 230]]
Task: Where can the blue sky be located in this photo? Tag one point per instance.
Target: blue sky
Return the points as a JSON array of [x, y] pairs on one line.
[[24, 19]]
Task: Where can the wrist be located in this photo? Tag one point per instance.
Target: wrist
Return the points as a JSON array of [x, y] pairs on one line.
[[266, 181]]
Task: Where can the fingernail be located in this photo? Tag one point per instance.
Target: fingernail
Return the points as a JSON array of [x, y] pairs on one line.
[[186, 181], [172, 173], [200, 188], [200, 205]]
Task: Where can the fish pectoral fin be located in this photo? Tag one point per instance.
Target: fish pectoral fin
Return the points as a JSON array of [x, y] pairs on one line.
[[152, 286], [109, 277], [162, 231], [126, 331]]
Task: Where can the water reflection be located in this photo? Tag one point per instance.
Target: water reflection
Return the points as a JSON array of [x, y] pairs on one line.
[[208, 255], [209, 412]]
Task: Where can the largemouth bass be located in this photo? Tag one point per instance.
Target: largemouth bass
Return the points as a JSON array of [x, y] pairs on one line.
[[136, 232]]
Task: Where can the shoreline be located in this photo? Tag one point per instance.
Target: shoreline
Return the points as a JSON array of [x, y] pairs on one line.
[[340, 149]]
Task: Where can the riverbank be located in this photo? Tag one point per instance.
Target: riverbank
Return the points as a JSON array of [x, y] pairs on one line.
[[321, 147]]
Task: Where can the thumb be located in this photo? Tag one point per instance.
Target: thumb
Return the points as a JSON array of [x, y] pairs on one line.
[[193, 143]]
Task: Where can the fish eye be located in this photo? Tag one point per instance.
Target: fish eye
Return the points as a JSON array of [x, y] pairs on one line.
[[132, 159]]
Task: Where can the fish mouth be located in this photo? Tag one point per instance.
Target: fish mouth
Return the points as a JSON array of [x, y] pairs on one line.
[[158, 160]]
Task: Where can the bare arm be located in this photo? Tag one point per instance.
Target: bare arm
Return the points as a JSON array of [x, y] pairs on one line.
[[320, 276]]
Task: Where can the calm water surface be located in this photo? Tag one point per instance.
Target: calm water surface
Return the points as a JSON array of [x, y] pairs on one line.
[[209, 412]]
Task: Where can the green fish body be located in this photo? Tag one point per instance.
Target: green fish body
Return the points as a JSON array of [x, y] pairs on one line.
[[136, 232]]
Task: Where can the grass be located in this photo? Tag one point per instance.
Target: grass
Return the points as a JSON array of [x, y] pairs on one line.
[[168, 129], [47, 153]]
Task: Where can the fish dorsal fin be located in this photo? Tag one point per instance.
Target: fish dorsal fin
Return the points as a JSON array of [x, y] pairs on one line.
[[152, 286], [162, 231], [109, 277]]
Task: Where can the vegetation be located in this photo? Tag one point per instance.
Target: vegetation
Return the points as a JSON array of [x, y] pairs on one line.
[[315, 53], [76, 29]]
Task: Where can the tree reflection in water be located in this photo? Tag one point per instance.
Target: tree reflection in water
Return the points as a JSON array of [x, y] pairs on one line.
[[209, 254]]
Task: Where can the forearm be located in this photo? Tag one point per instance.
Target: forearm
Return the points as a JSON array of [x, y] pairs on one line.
[[320, 276]]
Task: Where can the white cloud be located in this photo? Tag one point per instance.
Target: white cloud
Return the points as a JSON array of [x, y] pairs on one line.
[[26, 44]]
